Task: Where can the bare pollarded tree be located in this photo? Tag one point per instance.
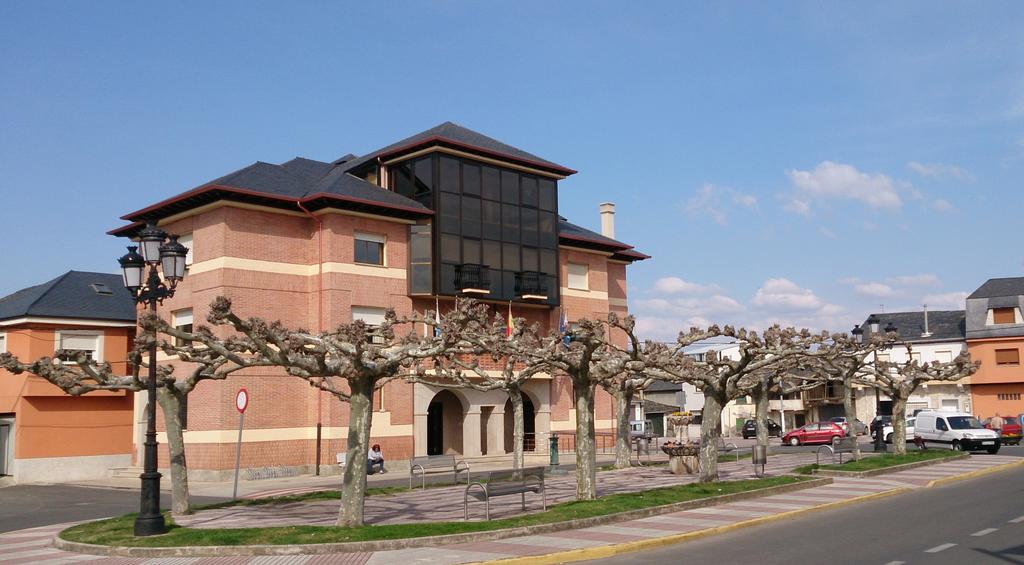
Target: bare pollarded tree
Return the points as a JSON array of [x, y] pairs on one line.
[[900, 380], [723, 378], [349, 362], [474, 335], [83, 375]]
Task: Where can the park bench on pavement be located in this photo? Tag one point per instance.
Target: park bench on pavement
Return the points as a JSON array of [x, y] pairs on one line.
[[838, 447], [724, 447], [501, 483], [433, 464]]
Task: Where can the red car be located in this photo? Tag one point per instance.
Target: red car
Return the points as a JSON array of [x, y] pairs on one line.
[[816, 432], [1011, 432]]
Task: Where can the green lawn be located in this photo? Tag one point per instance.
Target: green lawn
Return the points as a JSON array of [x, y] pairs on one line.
[[118, 531], [881, 461]]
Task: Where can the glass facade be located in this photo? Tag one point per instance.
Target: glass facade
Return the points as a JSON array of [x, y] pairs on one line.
[[499, 224]]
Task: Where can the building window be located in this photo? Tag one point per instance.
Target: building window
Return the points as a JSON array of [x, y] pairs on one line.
[[372, 316], [186, 240], [579, 275], [369, 248], [74, 342], [3, 342], [1004, 315], [1008, 396], [181, 320], [944, 356], [1007, 357]]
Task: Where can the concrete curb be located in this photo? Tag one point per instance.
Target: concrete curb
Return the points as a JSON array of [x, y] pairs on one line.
[[978, 473], [887, 470], [387, 545], [605, 551]]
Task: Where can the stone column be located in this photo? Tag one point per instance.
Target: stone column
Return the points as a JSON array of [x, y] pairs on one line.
[[419, 431], [496, 431], [471, 433], [542, 429]]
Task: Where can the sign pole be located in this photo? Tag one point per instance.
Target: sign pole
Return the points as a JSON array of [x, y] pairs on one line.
[[241, 403]]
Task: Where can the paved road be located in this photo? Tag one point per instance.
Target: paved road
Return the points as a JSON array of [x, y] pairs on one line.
[[974, 521], [28, 506]]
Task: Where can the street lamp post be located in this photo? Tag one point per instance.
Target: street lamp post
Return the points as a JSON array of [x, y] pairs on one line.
[[157, 249]]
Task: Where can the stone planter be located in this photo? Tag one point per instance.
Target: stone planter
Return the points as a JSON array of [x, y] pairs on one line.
[[682, 458]]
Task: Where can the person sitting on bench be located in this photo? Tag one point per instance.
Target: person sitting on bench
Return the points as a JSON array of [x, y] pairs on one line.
[[376, 458]]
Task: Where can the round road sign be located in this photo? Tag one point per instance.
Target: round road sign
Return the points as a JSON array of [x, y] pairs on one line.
[[242, 400]]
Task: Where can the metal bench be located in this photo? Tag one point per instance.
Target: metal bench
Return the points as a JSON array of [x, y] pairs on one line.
[[501, 483], [431, 464], [727, 448], [838, 447]]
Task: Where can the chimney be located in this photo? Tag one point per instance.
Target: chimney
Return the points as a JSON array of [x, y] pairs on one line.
[[607, 219], [926, 332]]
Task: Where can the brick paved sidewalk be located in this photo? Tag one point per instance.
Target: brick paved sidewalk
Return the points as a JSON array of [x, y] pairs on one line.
[[34, 545]]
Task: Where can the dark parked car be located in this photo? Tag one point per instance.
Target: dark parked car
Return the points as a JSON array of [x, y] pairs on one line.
[[750, 429], [817, 432], [880, 422]]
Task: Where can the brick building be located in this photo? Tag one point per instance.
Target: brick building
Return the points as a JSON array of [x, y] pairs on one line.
[[46, 435], [314, 244]]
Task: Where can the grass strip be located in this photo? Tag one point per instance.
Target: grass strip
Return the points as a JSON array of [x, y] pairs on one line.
[[118, 531], [881, 461]]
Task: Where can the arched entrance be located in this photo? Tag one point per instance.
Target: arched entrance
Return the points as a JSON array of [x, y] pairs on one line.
[[529, 426], [444, 424]]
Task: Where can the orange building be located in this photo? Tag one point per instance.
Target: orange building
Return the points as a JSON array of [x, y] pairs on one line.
[[46, 435], [443, 213], [995, 336]]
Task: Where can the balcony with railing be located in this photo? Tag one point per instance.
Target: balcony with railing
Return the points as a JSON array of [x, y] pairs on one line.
[[473, 279], [828, 393], [531, 285]]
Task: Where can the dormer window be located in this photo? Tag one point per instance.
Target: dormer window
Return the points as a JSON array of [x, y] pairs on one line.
[[998, 316]]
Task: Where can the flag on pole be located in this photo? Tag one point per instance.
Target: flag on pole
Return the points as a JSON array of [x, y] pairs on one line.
[[563, 327], [510, 325], [437, 317]]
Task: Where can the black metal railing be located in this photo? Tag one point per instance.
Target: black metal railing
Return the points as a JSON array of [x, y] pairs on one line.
[[531, 283], [470, 277]]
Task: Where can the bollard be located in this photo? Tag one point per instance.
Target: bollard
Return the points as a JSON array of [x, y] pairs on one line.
[[553, 450]]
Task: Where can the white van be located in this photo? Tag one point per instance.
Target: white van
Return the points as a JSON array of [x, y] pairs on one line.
[[955, 430]]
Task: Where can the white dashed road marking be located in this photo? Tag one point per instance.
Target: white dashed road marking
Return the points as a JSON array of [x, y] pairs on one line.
[[895, 563], [939, 548], [984, 532], [1017, 520]]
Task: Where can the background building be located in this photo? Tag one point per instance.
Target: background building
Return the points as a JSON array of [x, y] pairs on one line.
[[46, 435], [995, 336], [313, 244]]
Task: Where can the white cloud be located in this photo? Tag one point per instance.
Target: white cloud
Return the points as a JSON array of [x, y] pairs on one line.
[[924, 279], [878, 290], [676, 285], [837, 180], [942, 205], [799, 207], [715, 202], [940, 171], [870, 226], [785, 294], [946, 300], [827, 232]]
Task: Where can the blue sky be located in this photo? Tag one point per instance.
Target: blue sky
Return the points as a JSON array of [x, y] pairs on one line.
[[798, 162]]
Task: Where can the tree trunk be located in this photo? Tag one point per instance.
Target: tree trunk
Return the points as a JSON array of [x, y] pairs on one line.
[[850, 407], [518, 427], [170, 402], [761, 414], [899, 425], [623, 398], [353, 480], [710, 432], [586, 457]]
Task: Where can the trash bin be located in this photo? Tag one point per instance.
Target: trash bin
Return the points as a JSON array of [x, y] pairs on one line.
[[759, 456]]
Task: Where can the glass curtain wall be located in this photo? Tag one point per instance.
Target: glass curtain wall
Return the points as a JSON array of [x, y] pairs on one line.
[[486, 215]]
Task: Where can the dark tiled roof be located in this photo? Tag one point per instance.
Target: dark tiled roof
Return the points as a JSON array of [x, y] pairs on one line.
[[72, 295], [944, 325], [1010, 286], [663, 386], [572, 231], [460, 136], [652, 407]]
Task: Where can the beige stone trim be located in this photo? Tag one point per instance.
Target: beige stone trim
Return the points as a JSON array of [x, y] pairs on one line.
[[582, 250], [67, 322], [280, 268], [475, 157], [618, 262], [340, 212], [227, 204], [592, 294], [382, 427], [617, 302]]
